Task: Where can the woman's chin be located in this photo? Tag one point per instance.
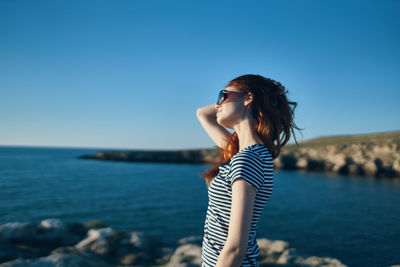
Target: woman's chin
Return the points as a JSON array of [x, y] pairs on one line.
[[223, 124]]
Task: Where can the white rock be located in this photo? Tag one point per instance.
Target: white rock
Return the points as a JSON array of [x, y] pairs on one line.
[[186, 255], [93, 235], [52, 223]]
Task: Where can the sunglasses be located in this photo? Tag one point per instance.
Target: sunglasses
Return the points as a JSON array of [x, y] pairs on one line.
[[225, 94]]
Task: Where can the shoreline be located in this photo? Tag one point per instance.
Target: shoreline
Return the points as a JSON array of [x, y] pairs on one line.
[[371, 155]]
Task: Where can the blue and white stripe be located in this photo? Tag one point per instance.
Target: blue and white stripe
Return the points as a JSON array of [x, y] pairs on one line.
[[253, 164]]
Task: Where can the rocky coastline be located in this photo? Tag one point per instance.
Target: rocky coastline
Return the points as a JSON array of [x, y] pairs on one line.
[[54, 242], [372, 155]]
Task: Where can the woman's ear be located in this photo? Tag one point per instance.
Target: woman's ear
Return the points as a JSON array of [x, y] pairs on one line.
[[248, 100]]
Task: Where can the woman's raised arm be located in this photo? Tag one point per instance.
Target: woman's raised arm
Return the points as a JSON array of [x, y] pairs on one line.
[[208, 119]]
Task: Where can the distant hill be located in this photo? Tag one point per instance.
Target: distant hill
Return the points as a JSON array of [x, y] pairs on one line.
[[367, 154], [376, 138], [375, 155]]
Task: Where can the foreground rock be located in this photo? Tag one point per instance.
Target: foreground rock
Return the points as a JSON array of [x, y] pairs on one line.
[[68, 257], [374, 155], [56, 243], [272, 253]]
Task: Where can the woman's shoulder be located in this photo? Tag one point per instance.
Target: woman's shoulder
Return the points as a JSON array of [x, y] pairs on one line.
[[252, 150], [247, 153], [256, 153]]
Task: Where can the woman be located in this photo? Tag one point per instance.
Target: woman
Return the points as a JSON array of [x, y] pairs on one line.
[[241, 182]]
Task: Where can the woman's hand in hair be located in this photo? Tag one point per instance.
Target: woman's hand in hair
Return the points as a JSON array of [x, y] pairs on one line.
[[209, 111], [208, 119]]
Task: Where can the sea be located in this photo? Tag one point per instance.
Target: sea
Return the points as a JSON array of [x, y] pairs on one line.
[[354, 219]]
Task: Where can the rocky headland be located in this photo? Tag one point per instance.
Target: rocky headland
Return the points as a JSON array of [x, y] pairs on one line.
[[54, 242], [373, 155]]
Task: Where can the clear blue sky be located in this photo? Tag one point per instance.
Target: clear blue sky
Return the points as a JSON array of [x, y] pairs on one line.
[[131, 74]]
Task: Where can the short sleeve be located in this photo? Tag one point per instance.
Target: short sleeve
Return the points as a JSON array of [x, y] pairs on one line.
[[248, 166]]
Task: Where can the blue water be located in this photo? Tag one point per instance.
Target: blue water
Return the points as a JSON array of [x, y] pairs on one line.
[[354, 219]]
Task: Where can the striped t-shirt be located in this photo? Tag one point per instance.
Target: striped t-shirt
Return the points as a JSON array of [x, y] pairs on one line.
[[253, 164]]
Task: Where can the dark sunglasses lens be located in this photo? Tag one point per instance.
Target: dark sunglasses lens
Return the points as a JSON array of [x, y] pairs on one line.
[[221, 97]]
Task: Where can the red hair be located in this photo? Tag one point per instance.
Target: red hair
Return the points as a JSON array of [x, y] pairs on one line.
[[272, 114]]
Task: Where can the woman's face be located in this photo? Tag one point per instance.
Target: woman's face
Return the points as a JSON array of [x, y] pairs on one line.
[[232, 110]]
